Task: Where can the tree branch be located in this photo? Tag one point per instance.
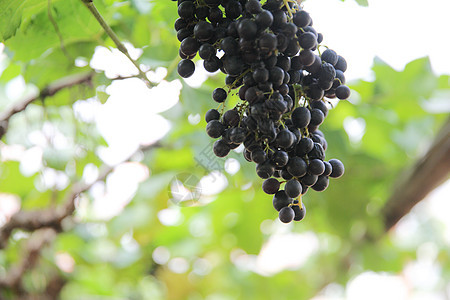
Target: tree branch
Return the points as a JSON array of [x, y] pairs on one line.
[[39, 239], [94, 11], [427, 174], [47, 91], [53, 217]]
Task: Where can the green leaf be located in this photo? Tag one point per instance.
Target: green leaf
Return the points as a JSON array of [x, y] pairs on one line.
[[12, 181], [363, 2], [75, 24]]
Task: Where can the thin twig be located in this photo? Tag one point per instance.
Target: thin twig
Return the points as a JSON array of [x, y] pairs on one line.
[[53, 217], [93, 9], [48, 91], [35, 244]]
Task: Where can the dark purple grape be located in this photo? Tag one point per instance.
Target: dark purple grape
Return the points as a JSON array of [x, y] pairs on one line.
[[320, 105], [284, 139], [221, 148], [247, 29], [280, 158], [267, 42], [316, 167], [203, 31], [321, 184], [215, 128], [215, 15], [309, 179], [212, 114], [337, 168], [341, 64], [271, 186], [219, 95], [280, 200], [317, 117], [343, 92], [297, 167], [286, 214], [253, 6], [328, 168], [231, 118], [259, 156], [186, 68], [237, 135], [212, 65], [293, 188], [180, 24], [233, 9], [265, 170], [299, 212], [189, 46], [186, 10], [206, 51], [301, 116], [260, 75], [330, 56], [307, 40], [301, 18], [264, 19]]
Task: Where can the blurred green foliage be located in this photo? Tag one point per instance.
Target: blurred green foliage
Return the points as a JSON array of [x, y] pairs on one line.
[[113, 259]]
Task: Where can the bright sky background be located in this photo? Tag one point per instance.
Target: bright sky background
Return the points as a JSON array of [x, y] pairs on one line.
[[397, 31]]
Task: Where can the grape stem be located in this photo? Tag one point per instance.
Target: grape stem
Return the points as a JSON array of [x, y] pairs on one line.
[[94, 11]]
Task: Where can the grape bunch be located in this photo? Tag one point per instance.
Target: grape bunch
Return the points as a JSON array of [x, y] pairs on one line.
[[274, 62]]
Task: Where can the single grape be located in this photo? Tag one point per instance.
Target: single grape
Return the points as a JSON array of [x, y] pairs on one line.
[[212, 114], [316, 167], [247, 29], [304, 146], [280, 158], [219, 95], [301, 18], [221, 148], [317, 117], [280, 200], [253, 6], [284, 138], [307, 40], [271, 186], [341, 64], [321, 184], [330, 56], [297, 167], [337, 168], [264, 19], [259, 156], [186, 68], [328, 168], [293, 188], [265, 170], [286, 214], [343, 92], [299, 212], [215, 128], [301, 116]]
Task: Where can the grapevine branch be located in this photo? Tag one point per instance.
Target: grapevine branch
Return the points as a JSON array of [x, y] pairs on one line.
[[427, 174], [94, 11], [47, 91], [53, 217], [38, 240]]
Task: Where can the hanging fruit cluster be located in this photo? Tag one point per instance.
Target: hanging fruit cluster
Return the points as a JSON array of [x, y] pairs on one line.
[[272, 57]]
